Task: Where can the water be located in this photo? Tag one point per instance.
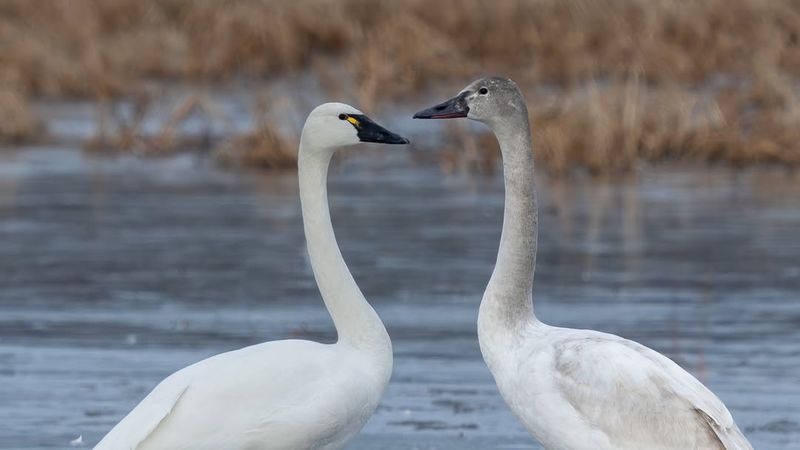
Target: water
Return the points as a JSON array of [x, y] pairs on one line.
[[116, 272]]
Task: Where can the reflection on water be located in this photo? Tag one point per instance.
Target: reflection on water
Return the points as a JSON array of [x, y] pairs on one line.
[[115, 273]]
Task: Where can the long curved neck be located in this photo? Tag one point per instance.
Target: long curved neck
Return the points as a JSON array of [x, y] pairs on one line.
[[357, 324], [508, 301]]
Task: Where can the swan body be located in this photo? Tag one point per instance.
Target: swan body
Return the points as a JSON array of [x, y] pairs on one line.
[[289, 394], [583, 389], [572, 389]]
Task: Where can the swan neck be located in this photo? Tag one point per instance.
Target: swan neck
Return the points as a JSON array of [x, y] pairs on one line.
[[356, 322], [509, 296]]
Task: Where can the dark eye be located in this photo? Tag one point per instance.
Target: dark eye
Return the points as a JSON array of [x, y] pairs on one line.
[[483, 91], [342, 116]]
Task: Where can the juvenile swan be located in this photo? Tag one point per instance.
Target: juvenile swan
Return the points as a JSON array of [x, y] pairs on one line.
[[572, 389], [291, 394]]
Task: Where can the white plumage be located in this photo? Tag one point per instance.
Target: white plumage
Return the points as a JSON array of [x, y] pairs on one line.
[[291, 394]]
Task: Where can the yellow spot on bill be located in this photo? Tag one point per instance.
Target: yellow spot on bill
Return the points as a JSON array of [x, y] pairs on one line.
[[353, 120]]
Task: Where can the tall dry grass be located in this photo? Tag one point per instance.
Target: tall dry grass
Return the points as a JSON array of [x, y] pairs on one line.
[[121, 126], [273, 142], [16, 120], [91, 47], [612, 127], [636, 73]]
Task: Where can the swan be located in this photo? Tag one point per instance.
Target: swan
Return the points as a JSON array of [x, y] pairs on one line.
[[571, 389], [287, 394]]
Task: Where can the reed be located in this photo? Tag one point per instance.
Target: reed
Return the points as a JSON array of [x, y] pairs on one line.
[[17, 123], [270, 145], [648, 79]]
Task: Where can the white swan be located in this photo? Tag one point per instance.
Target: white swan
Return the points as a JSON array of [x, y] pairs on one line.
[[289, 394], [572, 389]]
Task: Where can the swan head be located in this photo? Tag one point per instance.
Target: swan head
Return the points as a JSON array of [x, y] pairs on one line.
[[333, 125], [489, 100]]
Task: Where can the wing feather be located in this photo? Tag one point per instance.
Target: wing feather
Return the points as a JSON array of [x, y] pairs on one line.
[[143, 422], [666, 402], [685, 385]]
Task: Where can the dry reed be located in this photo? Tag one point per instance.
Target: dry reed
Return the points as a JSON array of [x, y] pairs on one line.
[[268, 146], [121, 126], [16, 120], [88, 47], [632, 72]]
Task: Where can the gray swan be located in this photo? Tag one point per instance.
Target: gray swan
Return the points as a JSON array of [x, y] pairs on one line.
[[572, 389]]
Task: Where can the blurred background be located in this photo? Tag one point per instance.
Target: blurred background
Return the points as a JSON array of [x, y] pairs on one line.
[[149, 215]]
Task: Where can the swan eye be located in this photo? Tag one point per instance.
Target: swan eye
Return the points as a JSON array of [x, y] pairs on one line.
[[483, 91], [342, 116]]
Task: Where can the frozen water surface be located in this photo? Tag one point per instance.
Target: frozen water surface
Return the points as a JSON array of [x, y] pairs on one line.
[[115, 273]]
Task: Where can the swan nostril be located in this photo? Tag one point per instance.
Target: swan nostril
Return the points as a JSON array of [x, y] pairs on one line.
[[440, 107]]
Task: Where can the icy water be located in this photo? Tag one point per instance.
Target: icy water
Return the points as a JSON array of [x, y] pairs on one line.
[[116, 272]]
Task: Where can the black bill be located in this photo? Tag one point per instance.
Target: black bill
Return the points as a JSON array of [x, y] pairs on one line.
[[450, 109], [369, 131]]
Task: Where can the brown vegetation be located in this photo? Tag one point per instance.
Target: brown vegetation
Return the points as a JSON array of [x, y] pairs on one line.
[[121, 126], [16, 121], [267, 146], [626, 79], [610, 128]]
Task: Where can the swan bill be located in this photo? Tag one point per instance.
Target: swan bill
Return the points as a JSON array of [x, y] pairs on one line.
[[450, 109], [369, 131]]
